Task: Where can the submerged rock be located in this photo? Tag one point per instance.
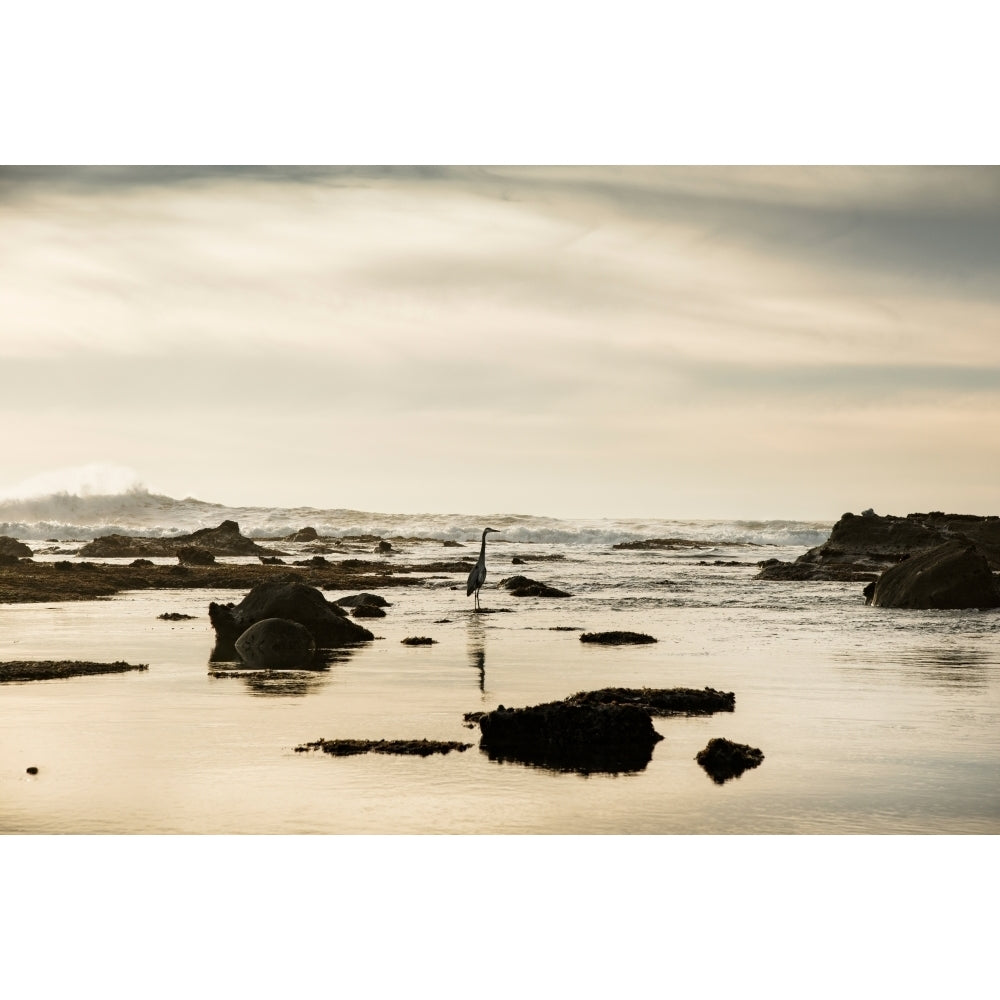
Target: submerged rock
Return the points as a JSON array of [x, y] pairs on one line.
[[328, 624], [616, 638], [368, 611], [350, 748], [522, 586], [568, 736], [175, 616], [418, 640], [44, 670], [277, 643], [722, 759], [953, 575]]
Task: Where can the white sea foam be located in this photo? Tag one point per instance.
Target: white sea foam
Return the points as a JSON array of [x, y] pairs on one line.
[[136, 511]]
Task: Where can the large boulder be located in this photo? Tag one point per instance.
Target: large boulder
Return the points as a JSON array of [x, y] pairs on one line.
[[328, 624], [277, 643], [860, 547], [12, 547], [953, 575]]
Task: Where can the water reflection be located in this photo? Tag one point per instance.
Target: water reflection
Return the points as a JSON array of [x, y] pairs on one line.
[[574, 759], [294, 683], [944, 666], [477, 648]]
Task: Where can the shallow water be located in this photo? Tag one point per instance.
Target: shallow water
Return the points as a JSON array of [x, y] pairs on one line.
[[870, 720]]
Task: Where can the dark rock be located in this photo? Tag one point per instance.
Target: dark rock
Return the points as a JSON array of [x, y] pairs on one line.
[[175, 616], [303, 535], [723, 759], [328, 624], [142, 562], [193, 555], [383, 547], [860, 548], [368, 611], [276, 643], [616, 638], [350, 748], [450, 544], [564, 736], [521, 586], [952, 575], [517, 561], [12, 547], [271, 560], [32, 770], [8, 560], [353, 600], [418, 640]]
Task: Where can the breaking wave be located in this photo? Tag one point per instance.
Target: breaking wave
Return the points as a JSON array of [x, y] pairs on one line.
[[136, 511]]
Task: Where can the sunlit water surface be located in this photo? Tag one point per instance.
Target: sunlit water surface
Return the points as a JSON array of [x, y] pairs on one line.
[[871, 721]]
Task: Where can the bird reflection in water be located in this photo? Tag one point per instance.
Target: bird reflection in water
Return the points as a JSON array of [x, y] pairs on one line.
[[477, 648]]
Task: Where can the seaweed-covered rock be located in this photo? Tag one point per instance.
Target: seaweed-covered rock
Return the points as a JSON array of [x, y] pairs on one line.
[[12, 547], [661, 701], [522, 586], [953, 575], [617, 638], [722, 759], [277, 643], [418, 640], [44, 670], [564, 736], [328, 624], [350, 748]]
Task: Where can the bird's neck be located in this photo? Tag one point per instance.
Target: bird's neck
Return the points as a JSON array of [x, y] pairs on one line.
[[482, 548]]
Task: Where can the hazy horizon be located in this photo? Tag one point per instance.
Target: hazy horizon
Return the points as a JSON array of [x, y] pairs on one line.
[[676, 342]]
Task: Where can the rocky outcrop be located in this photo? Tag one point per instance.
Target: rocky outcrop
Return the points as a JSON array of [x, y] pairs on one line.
[[303, 535], [327, 624], [12, 547], [861, 547], [953, 575], [225, 540], [350, 748], [276, 643], [569, 736]]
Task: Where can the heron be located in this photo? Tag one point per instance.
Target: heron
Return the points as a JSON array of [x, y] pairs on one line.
[[478, 574]]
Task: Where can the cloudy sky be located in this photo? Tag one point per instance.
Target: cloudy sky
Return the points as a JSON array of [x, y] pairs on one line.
[[673, 342]]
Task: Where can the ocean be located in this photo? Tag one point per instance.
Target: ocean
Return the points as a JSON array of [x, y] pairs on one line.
[[870, 720]]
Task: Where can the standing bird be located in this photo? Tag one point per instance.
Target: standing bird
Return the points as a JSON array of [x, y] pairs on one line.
[[478, 574]]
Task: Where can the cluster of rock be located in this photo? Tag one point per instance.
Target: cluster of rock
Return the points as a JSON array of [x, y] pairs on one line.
[[933, 560], [281, 625], [522, 586]]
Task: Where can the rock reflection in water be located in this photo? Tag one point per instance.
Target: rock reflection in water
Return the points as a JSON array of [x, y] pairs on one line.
[[577, 759], [285, 682]]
